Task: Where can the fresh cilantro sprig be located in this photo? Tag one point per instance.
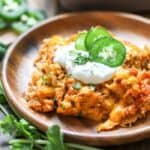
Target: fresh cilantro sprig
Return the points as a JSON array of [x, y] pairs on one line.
[[28, 137]]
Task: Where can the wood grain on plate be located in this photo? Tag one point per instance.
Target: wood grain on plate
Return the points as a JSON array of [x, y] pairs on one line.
[[18, 65]]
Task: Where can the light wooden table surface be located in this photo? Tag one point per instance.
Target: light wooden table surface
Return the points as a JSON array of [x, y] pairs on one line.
[[51, 8]]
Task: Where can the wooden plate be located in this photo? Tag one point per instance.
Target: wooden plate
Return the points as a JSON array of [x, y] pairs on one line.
[[18, 65]]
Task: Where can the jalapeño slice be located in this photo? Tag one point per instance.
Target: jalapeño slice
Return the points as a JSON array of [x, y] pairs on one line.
[[12, 9], [108, 51], [80, 41], [27, 20], [95, 34]]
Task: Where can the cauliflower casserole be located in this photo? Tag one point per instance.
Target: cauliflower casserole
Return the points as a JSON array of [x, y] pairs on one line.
[[121, 100]]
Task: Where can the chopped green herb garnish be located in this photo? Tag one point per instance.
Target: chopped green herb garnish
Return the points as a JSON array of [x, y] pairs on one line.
[[54, 99], [55, 103], [69, 75], [77, 86], [92, 86], [63, 106], [45, 80], [80, 59]]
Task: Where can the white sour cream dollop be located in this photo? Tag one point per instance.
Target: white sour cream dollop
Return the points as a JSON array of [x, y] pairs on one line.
[[90, 72]]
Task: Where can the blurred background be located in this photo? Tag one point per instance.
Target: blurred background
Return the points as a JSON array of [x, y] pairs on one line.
[[55, 7], [120, 5]]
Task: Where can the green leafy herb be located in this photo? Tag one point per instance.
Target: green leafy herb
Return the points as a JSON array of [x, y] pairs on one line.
[[55, 102], [55, 138], [63, 106], [69, 75], [44, 79], [77, 86], [80, 59], [20, 145], [28, 137], [92, 86]]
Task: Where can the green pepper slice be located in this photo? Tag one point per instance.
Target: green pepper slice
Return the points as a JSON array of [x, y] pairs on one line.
[[12, 9], [80, 42], [28, 20], [95, 34], [108, 51], [37, 14]]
